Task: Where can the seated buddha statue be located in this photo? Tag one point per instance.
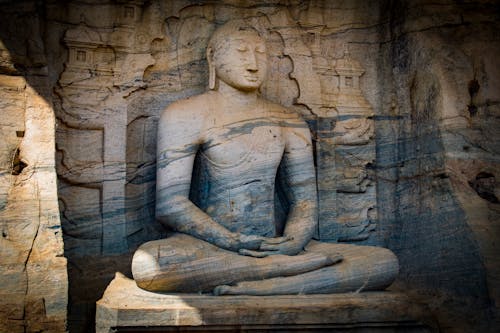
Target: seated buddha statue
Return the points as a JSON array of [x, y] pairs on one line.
[[221, 155]]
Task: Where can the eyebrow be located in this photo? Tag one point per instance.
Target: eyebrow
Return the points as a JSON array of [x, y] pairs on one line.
[[239, 39]]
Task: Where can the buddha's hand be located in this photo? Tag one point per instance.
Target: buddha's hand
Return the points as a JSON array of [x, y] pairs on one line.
[[253, 242], [279, 245]]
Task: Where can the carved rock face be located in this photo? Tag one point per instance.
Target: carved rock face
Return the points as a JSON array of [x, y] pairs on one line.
[[241, 60]]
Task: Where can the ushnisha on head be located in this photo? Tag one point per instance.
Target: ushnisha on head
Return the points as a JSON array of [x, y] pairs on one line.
[[236, 55]]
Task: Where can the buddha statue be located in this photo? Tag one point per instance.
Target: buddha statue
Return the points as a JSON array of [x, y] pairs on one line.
[[226, 238]]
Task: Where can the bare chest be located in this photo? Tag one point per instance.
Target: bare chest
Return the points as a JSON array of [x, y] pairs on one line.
[[245, 145]]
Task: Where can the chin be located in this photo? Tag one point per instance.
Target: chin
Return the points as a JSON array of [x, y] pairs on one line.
[[250, 89]]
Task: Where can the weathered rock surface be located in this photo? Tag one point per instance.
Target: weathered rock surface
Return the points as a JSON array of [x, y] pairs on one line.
[[425, 184], [33, 278], [443, 88]]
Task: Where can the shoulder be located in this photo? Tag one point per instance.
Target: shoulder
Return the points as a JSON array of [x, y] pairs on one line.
[[182, 122], [294, 127], [286, 117], [192, 109]]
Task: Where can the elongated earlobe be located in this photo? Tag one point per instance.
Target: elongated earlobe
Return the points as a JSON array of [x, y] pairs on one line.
[[211, 69], [211, 77]]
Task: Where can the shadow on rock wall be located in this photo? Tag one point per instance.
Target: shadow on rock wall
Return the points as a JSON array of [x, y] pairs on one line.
[[423, 183]]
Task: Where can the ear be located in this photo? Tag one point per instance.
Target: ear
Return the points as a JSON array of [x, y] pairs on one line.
[[211, 68]]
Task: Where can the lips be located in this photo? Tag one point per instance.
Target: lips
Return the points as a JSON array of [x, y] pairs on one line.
[[252, 78]]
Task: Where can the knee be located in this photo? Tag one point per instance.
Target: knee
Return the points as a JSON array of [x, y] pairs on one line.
[[385, 265], [145, 263], [391, 261]]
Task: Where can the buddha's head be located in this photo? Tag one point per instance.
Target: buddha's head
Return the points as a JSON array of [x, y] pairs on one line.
[[236, 55]]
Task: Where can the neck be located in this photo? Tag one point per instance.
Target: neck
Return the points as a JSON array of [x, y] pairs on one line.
[[236, 96]]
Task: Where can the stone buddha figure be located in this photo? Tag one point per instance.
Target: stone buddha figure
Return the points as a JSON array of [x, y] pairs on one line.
[[221, 155]]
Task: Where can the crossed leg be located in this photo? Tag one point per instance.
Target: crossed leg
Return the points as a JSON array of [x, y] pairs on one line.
[[363, 268], [182, 263]]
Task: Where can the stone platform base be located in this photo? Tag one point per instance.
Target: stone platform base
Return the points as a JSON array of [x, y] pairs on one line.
[[127, 308]]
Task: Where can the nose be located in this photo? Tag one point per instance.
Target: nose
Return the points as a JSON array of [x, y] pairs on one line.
[[252, 63]]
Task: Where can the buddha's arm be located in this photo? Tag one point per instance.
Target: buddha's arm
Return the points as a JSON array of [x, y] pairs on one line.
[[178, 141], [299, 178]]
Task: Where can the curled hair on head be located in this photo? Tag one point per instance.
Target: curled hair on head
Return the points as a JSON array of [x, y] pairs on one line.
[[219, 36]]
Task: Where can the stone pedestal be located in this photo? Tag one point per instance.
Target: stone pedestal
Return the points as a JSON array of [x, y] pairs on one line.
[[127, 308]]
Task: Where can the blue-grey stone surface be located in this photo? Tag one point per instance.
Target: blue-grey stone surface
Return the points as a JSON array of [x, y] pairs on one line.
[[429, 178]]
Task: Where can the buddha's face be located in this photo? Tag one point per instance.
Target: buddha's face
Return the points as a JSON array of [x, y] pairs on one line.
[[241, 60]]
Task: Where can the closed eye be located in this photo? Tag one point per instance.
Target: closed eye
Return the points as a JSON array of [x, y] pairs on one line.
[[260, 49], [242, 48]]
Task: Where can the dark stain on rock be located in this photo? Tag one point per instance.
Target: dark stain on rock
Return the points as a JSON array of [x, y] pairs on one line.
[[473, 88], [17, 164], [484, 184]]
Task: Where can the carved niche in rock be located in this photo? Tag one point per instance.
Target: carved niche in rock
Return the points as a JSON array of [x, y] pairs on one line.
[[99, 101]]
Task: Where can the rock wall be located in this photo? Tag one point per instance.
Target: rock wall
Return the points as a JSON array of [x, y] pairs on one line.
[[33, 278], [126, 61], [439, 158], [401, 97]]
